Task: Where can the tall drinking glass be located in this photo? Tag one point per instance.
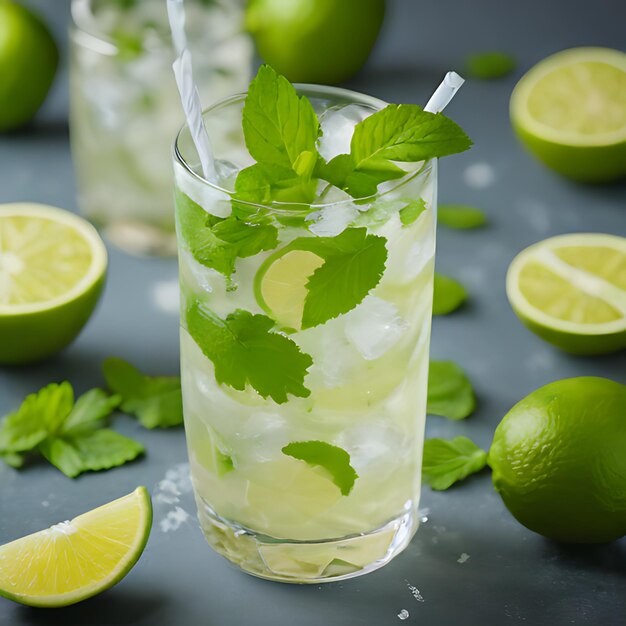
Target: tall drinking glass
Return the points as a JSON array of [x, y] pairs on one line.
[[125, 107], [275, 493]]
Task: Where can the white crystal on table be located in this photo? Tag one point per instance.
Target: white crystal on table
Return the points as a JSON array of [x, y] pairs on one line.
[[374, 327]]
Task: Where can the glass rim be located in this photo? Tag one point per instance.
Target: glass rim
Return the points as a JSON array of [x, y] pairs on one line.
[[355, 97]]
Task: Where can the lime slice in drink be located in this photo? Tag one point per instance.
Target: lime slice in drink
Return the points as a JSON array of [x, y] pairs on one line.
[[571, 291], [72, 561], [52, 270], [280, 284], [570, 112]]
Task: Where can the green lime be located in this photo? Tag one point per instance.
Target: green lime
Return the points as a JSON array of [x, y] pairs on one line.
[[280, 284], [315, 41], [28, 63], [571, 291], [52, 270], [559, 460], [72, 561], [570, 112]]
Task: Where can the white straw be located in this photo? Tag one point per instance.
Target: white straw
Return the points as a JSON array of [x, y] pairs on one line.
[[444, 93], [189, 96]]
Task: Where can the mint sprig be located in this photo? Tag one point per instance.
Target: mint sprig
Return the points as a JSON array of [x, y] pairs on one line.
[[245, 351], [334, 460], [280, 130], [450, 393], [448, 295], [490, 65], [460, 216], [354, 263], [397, 133], [217, 243], [445, 462], [69, 434], [156, 401]]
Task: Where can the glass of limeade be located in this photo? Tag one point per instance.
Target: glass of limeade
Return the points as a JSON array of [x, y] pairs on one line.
[[321, 482], [125, 107]]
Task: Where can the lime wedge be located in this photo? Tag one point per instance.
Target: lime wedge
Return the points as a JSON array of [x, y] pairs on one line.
[[571, 291], [570, 112], [280, 284], [52, 269], [72, 561]]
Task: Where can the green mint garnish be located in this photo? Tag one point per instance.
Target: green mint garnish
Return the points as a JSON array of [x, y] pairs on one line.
[[354, 263], [217, 243], [450, 392], [90, 451], [244, 350], [490, 65], [412, 210], [399, 132], [156, 401], [69, 434], [447, 462], [281, 131], [448, 295], [460, 216], [336, 461]]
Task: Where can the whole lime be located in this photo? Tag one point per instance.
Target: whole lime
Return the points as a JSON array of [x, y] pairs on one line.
[[315, 41], [559, 460], [28, 63]]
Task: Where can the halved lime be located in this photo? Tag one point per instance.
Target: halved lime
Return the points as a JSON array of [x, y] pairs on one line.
[[571, 291], [570, 112], [72, 561], [52, 269], [280, 284]]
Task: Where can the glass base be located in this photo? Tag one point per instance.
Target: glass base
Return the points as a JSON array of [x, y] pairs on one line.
[[306, 562], [141, 239]]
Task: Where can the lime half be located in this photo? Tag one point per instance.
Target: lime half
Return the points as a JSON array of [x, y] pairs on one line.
[[571, 291], [72, 561], [280, 284], [52, 269], [570, 112]]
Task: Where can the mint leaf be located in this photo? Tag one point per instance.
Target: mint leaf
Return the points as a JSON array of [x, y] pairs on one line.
[[353, 265], [341, 172], [155, 400], [216, 242], [41, 413], [12, 459], [450, 392], [90, 451], [279, 126], [446, 462], [92, 407], [461, 216], [399, 132], [245, 351], [412, 210], [448, 295], [490, 65], [404, 132], [336, 461]]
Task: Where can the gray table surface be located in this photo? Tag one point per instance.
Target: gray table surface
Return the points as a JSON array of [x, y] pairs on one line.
[[512, 575]]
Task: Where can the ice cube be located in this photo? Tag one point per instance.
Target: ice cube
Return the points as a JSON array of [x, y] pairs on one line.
[[332, 220], [372, 447], [338, 124], [374, 327]]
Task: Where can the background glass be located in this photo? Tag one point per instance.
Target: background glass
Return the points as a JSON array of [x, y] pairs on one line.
[[125, 107]]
